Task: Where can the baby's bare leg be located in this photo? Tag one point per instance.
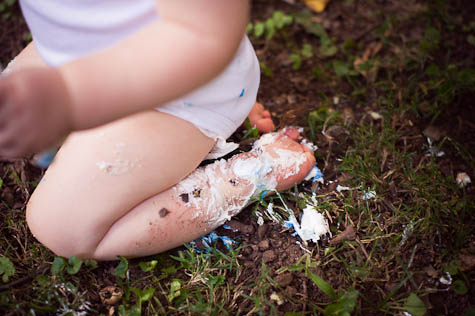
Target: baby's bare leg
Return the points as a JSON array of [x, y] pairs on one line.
[[99, 175], [28, 57], [206, 199]]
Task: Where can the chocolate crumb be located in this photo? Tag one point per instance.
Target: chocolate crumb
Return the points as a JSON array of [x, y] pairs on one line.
[[163, 212], [184, 197], [233, 182], [197, 192]]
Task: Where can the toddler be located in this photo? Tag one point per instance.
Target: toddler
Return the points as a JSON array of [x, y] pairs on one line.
[[143, 91]]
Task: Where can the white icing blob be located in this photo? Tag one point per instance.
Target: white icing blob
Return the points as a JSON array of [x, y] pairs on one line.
[[313, 224]]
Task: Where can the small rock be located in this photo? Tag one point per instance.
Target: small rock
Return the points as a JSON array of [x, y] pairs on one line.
[[336, 131], [276, 243], [463, 179], [284, 279], [375, 115], [275, 297], [263, 245], [348, 233], [261, 231], [268, 256], [332, 186], [243, 228], [291, 291]]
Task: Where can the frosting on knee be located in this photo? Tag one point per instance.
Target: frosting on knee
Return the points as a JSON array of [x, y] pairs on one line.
[[220, 190]]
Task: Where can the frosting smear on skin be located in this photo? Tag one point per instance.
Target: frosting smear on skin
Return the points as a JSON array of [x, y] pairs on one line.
[[222, 189]]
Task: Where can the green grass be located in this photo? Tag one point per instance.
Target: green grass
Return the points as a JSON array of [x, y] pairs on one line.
[[419, 217]]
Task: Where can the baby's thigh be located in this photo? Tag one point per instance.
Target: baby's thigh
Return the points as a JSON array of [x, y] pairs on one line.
[[28, 57], [99, 175]]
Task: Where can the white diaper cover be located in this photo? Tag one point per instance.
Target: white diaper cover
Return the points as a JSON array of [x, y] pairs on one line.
[[221, 106]]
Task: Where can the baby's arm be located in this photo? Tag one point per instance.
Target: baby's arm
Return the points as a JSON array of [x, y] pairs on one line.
[[191, 43]]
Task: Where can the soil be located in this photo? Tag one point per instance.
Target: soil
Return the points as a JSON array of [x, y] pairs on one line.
[[290, 95]]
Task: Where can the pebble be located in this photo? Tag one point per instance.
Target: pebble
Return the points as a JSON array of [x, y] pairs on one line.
[[284, 279], [263, 245], [268, 256], [261, 231]]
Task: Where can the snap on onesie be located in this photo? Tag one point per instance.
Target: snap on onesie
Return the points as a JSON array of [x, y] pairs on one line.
[[64, 30]]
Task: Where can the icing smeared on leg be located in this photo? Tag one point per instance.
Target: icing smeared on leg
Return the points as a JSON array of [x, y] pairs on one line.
[[220, 190]]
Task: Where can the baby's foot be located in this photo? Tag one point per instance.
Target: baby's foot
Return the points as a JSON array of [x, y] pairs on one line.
[[222, 189], [280, 161], [260, 118]]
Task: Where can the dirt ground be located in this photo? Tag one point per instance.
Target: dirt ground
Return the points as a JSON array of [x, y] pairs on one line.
[[291, 95]]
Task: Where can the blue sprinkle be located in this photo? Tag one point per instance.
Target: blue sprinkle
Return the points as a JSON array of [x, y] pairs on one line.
[[227, 227], [263, 194], [242, 93], [288, 224], [44, 159], [187, 103], [212, 237], [318, 175]]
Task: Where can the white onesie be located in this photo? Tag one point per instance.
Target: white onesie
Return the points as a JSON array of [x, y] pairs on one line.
[[64, 30]]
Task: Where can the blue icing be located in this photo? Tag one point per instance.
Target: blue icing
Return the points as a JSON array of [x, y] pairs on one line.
[[44, 159], [318, 175], [187, 103], [212, 237]]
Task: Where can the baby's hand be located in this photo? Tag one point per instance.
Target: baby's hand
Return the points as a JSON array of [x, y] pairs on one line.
[[34, 111]]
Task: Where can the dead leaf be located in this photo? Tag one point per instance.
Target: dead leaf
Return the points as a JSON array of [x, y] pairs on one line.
[[348, 116], [371, 51], [348, 233], [466, 262], [433, 132], [431, 272], [111, 295], [317, 5]]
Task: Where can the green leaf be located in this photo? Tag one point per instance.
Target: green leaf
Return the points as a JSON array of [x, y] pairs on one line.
[[296, 61], [74, 265], [345, 304], [91, 264], [471, 40], [1, 183], [451, 268], [265, 70], [175, 287], [307, 50], [143, 295], [216, 281], [288, 20], [7, 269], [327, 48], [121, 269], [278, 17], [433, 71], [58, 265], [249, 28], [459, 287], [414, 305], [270, 29], [148, 266], [323, 285], [470, 312], [341, 68], [259, 29]]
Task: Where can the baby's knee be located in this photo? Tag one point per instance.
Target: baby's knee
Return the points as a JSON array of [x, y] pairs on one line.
[[50, 226]]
